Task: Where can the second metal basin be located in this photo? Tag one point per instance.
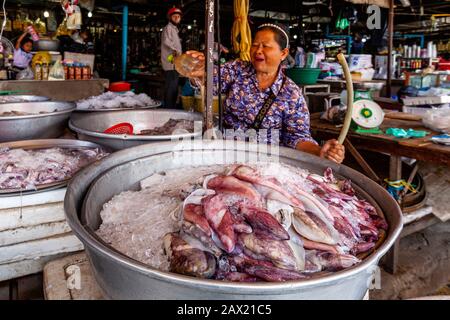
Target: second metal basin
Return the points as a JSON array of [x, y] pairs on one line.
[[90, 126]]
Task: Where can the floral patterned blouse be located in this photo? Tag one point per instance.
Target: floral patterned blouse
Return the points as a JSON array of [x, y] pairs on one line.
[[288, 113]]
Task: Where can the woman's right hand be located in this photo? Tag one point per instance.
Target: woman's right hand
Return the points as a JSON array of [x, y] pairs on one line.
[[196, 54], [199, 71]]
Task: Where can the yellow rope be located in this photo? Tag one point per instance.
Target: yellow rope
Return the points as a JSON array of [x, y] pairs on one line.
[[240, 33], [399, 184]]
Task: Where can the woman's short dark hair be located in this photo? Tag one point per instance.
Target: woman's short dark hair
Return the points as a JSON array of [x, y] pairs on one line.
[[280, 36], [25, 41]]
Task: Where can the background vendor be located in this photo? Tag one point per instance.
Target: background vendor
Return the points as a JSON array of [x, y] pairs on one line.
[[171, 45]]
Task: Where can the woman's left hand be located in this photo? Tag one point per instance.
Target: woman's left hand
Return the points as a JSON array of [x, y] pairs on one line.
[[333, 150]]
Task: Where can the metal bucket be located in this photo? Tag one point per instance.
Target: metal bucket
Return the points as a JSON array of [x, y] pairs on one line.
[[50, 124], [121, 277], [90, 126]]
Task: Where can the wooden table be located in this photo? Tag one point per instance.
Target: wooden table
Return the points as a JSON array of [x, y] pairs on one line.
[[67, 90], [420, 149], [339, 84]]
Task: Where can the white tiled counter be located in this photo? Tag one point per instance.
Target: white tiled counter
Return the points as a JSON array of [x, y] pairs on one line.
[[33, 231]]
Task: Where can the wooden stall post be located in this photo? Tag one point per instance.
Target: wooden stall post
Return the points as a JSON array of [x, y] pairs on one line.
[[209, 64], [390, 48]]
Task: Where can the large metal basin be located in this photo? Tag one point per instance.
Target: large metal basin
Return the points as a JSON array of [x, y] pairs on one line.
[[36, 126], [90, 126], [121, 277]]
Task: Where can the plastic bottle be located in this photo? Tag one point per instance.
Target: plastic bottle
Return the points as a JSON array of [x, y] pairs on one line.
[[78, 71], [33, 33], [37, 71], [66, 71], [86, 72], [430, 49], [414, 50], [300, 57], [45, 70], [71, 72], [186, 64]]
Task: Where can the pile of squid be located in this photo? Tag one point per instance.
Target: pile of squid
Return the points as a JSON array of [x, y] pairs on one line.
[[27, 169], [251, 224]]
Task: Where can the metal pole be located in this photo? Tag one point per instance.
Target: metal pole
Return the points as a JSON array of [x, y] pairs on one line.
[[124, 41], [219, 86], [209, 63], [390, 48]]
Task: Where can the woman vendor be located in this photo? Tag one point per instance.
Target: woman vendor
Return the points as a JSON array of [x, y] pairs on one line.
[[260, 96], [22, 52]]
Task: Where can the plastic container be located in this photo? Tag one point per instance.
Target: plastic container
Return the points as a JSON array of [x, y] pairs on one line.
[[420, 111], [303, 76], [119, 86], [188, 103], [33, 33], [199, 104]]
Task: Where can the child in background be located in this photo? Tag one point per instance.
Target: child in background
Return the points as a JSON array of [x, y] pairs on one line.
[[22, 52]]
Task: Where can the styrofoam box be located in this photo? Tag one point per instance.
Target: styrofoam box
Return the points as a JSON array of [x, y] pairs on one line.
[[420, 111]]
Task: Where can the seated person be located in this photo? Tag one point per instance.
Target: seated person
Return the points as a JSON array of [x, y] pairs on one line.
[[79, 42]]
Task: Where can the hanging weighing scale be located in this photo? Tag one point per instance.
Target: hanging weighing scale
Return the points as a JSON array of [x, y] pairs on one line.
[[367, 116]]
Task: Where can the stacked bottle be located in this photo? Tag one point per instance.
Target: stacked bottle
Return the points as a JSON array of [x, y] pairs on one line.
[[77, 71]]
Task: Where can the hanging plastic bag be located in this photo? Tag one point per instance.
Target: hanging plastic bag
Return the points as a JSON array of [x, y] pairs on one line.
[[62, 29], [40, 26], [57, 71], [74, 20], [73, 14], [87, 4]]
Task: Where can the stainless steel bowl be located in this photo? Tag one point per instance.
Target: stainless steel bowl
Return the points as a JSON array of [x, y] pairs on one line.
[[22, 98], [46, 45], [156, 104], [121, 277], [50, 124], [90, 126]]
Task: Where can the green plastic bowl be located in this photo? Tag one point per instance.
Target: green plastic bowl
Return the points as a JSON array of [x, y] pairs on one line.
[[303, 76]]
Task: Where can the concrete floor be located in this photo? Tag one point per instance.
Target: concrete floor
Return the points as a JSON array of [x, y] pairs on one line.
[[424, 266]]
